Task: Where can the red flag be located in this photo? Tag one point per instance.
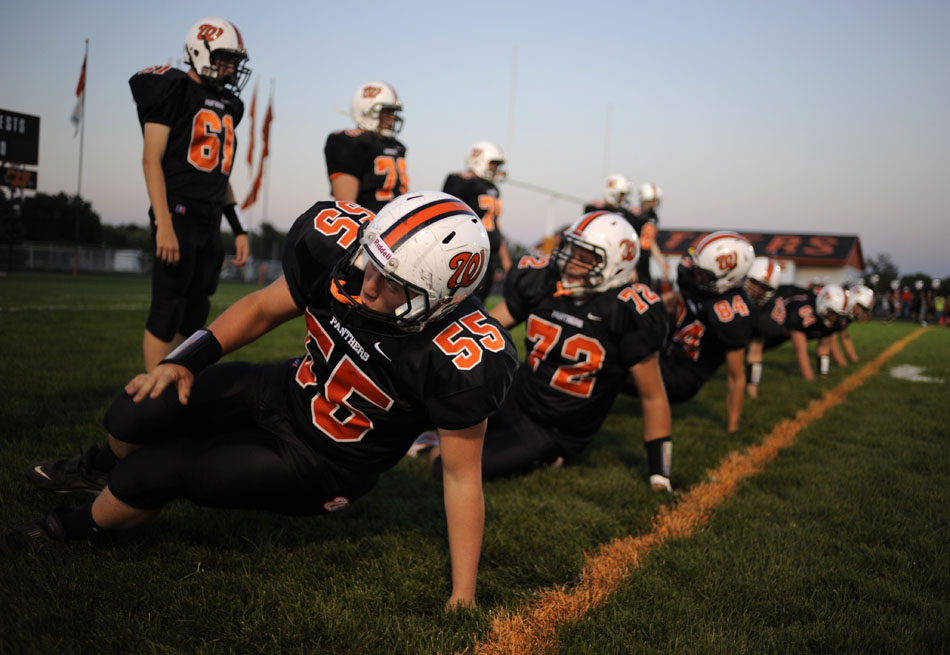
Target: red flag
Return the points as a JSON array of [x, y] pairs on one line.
[[250, 143], [76, 116], [265, 151]]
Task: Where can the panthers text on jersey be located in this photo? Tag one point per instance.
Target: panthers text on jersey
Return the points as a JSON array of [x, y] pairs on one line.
[[580, 349], [800, 313], [706, 327], [202, 143], [482, 196], [366, 390], [379, 163]]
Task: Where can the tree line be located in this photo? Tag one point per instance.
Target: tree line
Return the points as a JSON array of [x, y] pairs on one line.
[[64, 218]]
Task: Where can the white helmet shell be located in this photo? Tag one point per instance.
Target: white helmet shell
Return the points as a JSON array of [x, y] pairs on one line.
[[612, 239], [480, 157], [860, 296], [433, 244], [215, 35], [369, 100], [616, 189], [650, 192], [762, 279], [832, 298], [722, 260]]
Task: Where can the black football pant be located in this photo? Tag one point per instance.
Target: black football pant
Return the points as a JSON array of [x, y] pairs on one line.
[[230, 447]]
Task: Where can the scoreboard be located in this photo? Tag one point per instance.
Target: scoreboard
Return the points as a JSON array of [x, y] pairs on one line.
[[19, 145]]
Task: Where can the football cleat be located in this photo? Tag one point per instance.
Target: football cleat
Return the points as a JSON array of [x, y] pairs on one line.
[[34, 536], [75, 473]]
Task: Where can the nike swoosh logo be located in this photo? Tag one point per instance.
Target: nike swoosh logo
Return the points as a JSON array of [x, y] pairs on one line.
[[380, 350], [39, 469], [594, 318]]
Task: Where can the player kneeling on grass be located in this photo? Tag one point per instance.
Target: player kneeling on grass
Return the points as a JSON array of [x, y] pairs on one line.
[[768, 308], [712, 322], [394, 344], [587, 329]]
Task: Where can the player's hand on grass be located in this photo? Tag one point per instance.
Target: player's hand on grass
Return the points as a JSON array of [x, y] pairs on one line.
[[153, 384], [166, 244], [460, 602]]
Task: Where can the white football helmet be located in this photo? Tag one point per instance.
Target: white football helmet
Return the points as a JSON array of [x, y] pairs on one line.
[[860, 298], [369, 100], [650, 192], [762, 279], [831, 304], [480, 158], [616, 189], [612, 250], [721, 261], [430, 243], [212, 45]]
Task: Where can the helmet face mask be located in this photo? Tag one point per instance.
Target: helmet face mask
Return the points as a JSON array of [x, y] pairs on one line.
[[598, 252], [430, 245], [762, 280], [486, 160], [215, 50], [860, 302], [721, 261], [375, 108]]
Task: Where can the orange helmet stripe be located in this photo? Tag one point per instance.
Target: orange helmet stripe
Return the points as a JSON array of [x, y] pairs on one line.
[[715, 237], [413, 222], [587, 220]]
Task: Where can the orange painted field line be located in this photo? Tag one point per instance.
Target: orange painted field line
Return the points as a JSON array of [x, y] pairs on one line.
[[532, 630]]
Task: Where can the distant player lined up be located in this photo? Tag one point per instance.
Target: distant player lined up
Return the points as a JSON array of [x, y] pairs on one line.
[[188, 123], [587, 328], [476, 187], [617, 190], [367, 165]]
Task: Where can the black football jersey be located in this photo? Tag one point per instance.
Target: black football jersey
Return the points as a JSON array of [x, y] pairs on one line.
[[770, 321], [378, 162], [483, 197], [705, 327], [202, 143], [800, 314], [365, 391], [645, 225], [579, 350]]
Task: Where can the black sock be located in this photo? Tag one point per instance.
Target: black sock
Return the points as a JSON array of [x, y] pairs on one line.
[[78, 523], [659, 454], [105, 459]]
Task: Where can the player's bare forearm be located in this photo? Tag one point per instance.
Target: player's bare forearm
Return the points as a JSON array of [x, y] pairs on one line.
[[461, 452], [735, 387], [849, 346], [502, 314], [344, 187], [254, 315], [657, 420], [836, 353], [800, 343]]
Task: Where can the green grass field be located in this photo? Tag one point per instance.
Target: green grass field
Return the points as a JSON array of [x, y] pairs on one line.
[[840, 545]]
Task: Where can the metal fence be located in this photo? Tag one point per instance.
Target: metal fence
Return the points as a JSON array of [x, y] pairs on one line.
[[68, 258]]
